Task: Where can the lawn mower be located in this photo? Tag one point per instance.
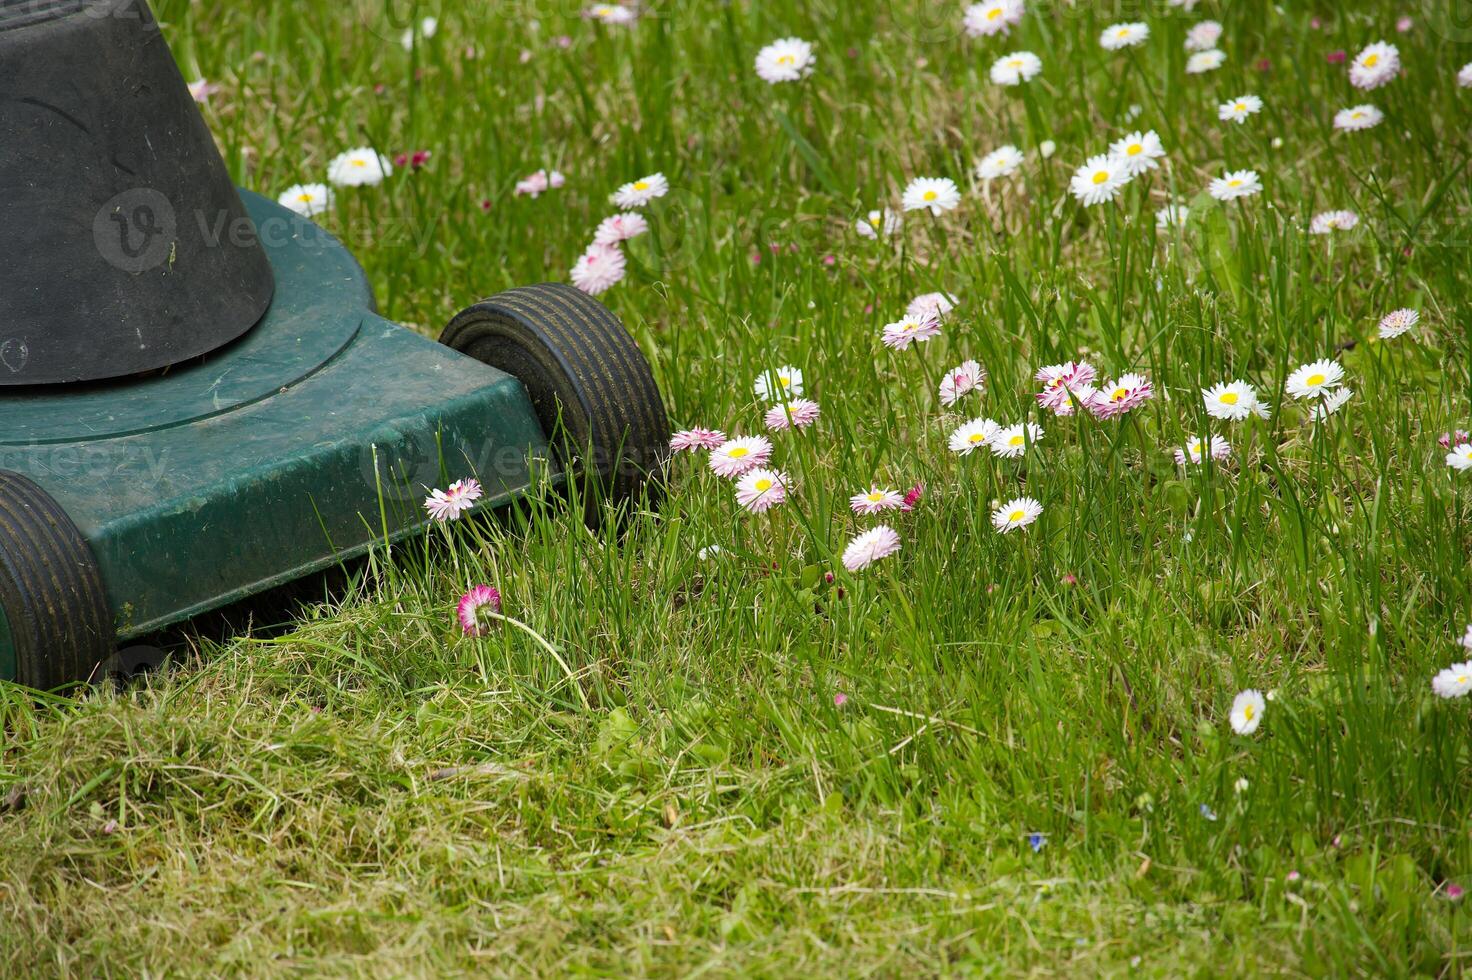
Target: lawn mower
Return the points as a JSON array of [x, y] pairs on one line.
[[198, 400]]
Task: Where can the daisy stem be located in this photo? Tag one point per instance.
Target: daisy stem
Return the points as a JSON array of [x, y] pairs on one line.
[[571, 677]]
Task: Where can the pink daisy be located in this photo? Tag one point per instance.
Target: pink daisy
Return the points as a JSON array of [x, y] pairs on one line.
[[1126, 394], [539, 182], [798, 413], [620, 228], [912, 498], [932, 306], [960, 381], [1450, 439], [874, 500], [908, 330], [760, 490], [1065, 383], [735, 456], [689, 440], [448, 505], [480, 597], [867, 548], [600, 268]]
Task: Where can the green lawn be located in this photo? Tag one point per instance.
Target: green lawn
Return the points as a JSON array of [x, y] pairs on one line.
[[368, 791]]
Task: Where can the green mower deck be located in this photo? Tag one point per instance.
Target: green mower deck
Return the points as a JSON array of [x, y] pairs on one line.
[[307, 441]]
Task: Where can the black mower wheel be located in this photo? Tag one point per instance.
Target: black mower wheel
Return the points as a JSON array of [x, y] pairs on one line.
[[51, 592], [589, 383]]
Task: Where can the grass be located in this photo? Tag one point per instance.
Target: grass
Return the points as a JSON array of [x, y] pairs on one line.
[[367, 792]]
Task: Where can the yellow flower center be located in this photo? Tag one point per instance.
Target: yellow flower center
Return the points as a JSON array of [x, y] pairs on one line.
[[1230, 398], [1371, 60], [874, 220], [739, 452], [1016, 516], [360, 162], [763, 485], [1356, 114], [1234, 182], [1015, 63], [1240, 107], [931, 195], [1314, 379], [1122, 32], [1134, 150], [785, 381], [1195, 448], [786, 59], [641, 185], [1100, 176], [1248, 711], [994, 13], [875, 496], [975, 437], [304, 196], [1017, 440], [1120, 394]]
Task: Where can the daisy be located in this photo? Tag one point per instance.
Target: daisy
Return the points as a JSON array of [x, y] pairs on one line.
[[599, 269], [448, 505], [1247, 709], [735, 456], [610, 13], [960, 381], [201, 90], [778, 384], [1204, 61], [360, 167], [912, 500], [1137, 152], [1016, 513], [1314, 380], [1012, 442], [939, 194], [909, 329], [1447, 440], [874, 500], [798, 414], [1065, 385], [307, 199], [1357, 118], [1234, 184], [1216, 447], [427, 28], [478, 609], [1330, 221], [1460, 458], [877, 223], [867, 548], [977, 433], [992, 17], [1330, 403], [1454, 682], [689, 440], [1098, 180], [1466, 640], [1119, 36], [641, 192], [1233, 401], [534, 185], [760, 490], [620, 228], [1464, 77], [787, 60], [1125, 394], [1001, 162], [1398, 322], [1016, 68], [932, 306], [1203, 36], [1237, 110], [1375, 66], [1172, 216]]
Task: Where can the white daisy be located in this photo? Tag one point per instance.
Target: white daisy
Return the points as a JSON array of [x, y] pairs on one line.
[[641, 192], [1172, 216], [1331, 221], [1398, 322], [1460, 457], [359, 167], [1375, 66], [1237, 110], [611, 13], [1098, 180], [1015, 514], [778, 384], [1233, 400], [787, 60], [307, 199], [1117, 36], [735, 457], [1137, 152], [1195, 450], [1001, 162], [1016, 68], [992, 17], [1234, 184], [427, 28], [1204, 61], [1247, 709], [1315, 379], [975, 434], [1454, 682], [1012, 442], [877, 223], [1203, 36], [1330, 403], [875, 499], [1464, 77], [939, 194], [1358, 117]]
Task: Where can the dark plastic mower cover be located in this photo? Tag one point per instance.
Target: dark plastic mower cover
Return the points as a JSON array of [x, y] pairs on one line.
[[239, 415]]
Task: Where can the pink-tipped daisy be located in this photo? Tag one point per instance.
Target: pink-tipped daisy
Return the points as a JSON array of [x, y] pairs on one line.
[[960, 381], [1125, 394], [932, 306], [1398, 322], [908, 330], [874, 500], [736, 456], [1199, 448], [689, 440], [1331, 221], [867, 548], [1066, 384], [992, 17], [912, 498], [477, 609], [599, 269], [1357, 118], [797, 414], [620, 228], [760, 490], [1376, 65], [448, 505]]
